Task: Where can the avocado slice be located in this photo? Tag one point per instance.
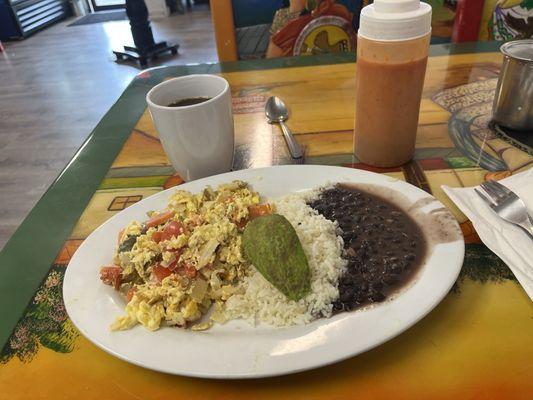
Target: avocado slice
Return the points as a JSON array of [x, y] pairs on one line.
[[271, 244]]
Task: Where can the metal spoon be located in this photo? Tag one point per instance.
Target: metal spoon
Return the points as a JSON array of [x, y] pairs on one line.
[[276, 111]]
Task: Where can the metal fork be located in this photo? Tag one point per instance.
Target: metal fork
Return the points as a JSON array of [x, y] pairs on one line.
[[506, 204]]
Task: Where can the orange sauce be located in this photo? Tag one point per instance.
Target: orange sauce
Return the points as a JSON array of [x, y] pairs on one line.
[[387, 107]]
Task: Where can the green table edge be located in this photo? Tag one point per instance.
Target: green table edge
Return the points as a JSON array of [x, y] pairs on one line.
[[28, 255]]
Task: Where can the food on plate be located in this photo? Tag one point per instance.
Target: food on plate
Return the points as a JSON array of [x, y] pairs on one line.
[[271, 244], [383, 245], [183, 259], [258, 301], [224, 254]]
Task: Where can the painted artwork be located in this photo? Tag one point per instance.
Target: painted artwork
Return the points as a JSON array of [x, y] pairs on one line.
[[507, 20], [45, 323], [326, 34], [310, 27]]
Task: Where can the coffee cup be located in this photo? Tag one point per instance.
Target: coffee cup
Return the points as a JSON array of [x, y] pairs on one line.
[[193, 116]]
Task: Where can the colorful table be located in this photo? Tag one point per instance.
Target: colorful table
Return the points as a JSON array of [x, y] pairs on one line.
[[478, 343]]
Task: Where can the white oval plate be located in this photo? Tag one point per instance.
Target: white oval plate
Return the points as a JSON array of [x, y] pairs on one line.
[[237, 350]]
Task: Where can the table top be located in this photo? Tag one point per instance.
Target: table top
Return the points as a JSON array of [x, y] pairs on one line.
[[476, 344]]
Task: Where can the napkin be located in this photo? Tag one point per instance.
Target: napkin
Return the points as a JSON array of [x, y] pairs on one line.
[[508, 241]]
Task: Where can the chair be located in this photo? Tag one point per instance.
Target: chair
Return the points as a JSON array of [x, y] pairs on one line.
[[242, 27]]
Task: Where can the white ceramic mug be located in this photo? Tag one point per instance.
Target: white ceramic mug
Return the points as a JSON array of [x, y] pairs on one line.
[[198, 139]]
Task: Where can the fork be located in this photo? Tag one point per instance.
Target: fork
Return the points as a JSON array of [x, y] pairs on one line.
[[506, 204]]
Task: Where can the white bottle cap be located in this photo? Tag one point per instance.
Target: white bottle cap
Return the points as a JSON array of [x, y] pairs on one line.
[[390, 20]]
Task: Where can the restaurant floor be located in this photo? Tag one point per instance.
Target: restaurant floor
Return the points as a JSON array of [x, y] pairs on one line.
[[56, 85]]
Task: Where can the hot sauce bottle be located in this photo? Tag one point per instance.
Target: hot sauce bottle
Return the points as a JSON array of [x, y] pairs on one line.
[[392, 50]]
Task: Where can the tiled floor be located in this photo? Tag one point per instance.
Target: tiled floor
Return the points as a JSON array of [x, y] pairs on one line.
[[54, 88]]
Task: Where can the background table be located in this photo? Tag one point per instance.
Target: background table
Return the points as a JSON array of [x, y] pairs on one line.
[[478, 343]]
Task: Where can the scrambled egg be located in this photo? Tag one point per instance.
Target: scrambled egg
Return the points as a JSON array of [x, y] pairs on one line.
[[177, 264]]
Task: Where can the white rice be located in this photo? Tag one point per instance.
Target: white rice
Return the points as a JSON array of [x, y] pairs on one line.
[[260, 302]]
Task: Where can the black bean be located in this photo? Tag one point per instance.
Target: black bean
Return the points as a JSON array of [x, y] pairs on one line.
[[350, 252], [376, 238], [396, 267], [377, 296], [390, 279], [377, 285], [361, 298], [346, 296], [348, 307]]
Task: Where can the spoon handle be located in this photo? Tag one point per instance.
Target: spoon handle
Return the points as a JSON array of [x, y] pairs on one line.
[[292, 144]]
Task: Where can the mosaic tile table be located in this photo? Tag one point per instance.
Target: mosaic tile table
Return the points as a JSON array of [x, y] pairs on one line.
[[477, 344]]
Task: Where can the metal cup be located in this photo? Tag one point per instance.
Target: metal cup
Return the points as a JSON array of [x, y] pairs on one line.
[[513, 102]]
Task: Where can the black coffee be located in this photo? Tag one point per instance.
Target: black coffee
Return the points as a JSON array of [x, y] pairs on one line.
[[188, 102]]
